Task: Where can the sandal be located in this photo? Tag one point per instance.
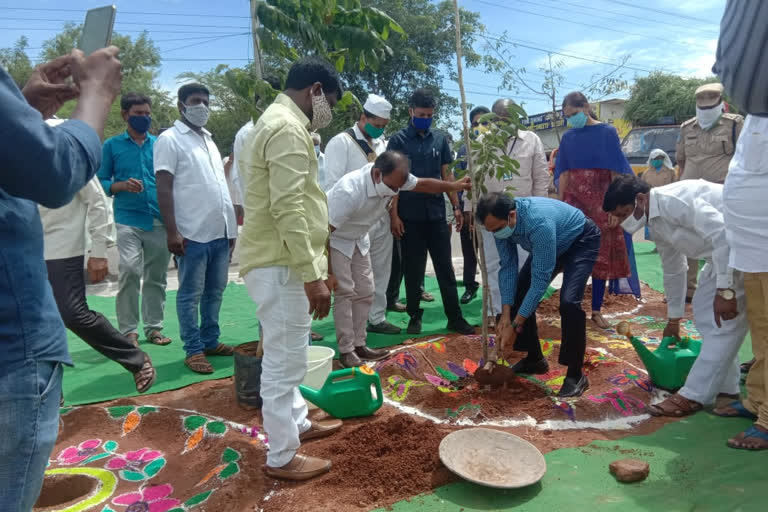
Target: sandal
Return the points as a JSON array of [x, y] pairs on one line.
[[600, 321], [754, 433], [221, 350], [739, 411], [133, 338], [682, 407], [145, 377], [317, 336], [198, 364], [157, 338]]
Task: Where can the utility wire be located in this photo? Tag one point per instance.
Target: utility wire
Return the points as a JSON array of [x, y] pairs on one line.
[[58, 29], [590, 25], [203, 42], [47, 9], [119, 22], [660, 11]]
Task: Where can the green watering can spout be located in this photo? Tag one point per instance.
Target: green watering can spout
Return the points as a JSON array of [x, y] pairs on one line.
[[668, 366], [347, 393]]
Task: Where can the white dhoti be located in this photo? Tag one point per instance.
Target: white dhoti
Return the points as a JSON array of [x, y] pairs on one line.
[[716, 370], [381, 261]]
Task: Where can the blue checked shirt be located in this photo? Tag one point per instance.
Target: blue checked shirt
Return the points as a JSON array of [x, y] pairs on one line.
[[39, 164], [546, 228]]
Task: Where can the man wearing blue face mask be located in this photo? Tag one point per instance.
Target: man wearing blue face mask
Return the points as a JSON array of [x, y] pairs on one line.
[[355, 205], [127, 173], [418, 219], [559, 238]]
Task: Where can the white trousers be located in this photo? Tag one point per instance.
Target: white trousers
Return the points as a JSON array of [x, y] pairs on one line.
[[283, 314], [352, 300], [381, 260], [716, 370], [493, 265]]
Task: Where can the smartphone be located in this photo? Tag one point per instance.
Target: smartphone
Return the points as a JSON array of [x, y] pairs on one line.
[[97, 30]]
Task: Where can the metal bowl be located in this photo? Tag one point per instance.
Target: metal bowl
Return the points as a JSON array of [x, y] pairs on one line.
[[492, 458]]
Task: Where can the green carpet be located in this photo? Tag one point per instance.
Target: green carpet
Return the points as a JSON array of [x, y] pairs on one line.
[[691, 470], [96, 378]]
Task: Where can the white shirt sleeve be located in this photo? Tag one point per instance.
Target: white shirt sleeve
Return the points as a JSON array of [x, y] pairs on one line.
[[99, 218], [234, 185], [335, 160], [165, 155], [675, 268], [410, 183], [540, 171]]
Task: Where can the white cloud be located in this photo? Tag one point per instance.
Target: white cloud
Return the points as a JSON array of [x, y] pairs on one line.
[[694, 6]]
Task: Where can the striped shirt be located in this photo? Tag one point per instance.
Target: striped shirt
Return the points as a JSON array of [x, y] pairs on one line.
[[741, 62], [546, 228]]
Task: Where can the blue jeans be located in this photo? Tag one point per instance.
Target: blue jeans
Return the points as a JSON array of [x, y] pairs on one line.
[[30, 392], [203, 273]]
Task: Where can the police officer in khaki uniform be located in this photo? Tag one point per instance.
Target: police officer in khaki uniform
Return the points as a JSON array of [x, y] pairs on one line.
[[705, 148]]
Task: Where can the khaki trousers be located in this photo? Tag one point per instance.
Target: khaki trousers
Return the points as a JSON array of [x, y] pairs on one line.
[[353, 298], [756, 288]]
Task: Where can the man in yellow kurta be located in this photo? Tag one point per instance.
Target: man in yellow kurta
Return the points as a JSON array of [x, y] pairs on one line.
[[283, 253]]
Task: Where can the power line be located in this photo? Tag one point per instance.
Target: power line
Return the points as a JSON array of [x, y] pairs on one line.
[[660, 11], [46, 9], [131, 31], [210, 40], [142, 23], [590, 25]]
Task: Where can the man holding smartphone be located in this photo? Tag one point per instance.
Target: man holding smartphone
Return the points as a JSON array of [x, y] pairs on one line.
[[47, 166]]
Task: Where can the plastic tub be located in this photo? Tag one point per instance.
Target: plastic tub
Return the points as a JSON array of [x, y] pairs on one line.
[[320, 364]]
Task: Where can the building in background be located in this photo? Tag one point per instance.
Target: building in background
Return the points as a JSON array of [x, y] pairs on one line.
[[609, 111]]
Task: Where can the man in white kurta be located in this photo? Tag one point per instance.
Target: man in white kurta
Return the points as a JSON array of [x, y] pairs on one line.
[[349, 151], [355, 205], [532, 179], [685, 220]]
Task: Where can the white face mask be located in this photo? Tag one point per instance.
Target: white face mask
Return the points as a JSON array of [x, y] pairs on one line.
[[632, 225], [197, 114], [383, 190], [708, 117]]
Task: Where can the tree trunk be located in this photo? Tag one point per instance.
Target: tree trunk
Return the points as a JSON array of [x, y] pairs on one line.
[[478, 239]]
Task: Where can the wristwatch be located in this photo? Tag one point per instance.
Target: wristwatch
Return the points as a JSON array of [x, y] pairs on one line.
[[517, 327], [727, 294]]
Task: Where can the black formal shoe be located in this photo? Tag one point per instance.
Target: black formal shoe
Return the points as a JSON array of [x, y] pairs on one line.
[[383, 328], [397, 307], [350, 360], [414, 326], [427, 297], [461, 327], [527, 366], [371, 354], [572, 387], [469, 294]]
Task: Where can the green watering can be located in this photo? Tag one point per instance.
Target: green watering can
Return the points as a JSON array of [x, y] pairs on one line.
[[347, 393], [668, 365]]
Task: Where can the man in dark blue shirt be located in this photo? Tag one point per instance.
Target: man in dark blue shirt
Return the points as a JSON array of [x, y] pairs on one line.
[[40, 165], [418, 219], [559, 238]]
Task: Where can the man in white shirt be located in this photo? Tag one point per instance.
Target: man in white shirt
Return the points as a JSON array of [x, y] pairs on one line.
[[349, 151], [355, 204], [200, 220], [64, 249], [685, 220], [532, 179]]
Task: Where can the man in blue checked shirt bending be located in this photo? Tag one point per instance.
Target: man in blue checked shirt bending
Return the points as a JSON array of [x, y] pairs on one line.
[[559, 238]]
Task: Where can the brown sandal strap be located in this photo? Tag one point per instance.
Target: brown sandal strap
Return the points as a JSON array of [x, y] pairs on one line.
[[221, 350], [145, 377], [683, 406], [157, 338], [199, 363]]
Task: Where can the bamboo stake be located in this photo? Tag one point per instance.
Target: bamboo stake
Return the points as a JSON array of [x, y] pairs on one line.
[[478, 239]]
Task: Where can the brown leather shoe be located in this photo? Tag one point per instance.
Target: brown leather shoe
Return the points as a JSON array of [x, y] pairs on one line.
[[322, 428], [301, 467]]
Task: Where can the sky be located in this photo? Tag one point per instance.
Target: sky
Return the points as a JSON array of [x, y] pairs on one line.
[[589, 37]]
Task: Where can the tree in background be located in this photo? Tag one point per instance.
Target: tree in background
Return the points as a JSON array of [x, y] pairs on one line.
[[16, 63], [661, 95], [499, 60]]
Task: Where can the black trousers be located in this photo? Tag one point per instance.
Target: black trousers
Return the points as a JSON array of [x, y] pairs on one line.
[[576, 264], [470, 258], [67, 279], [434, 238], [396, 275]]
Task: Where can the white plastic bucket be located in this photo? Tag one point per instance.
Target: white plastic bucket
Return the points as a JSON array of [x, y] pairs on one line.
[[320, 364]]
